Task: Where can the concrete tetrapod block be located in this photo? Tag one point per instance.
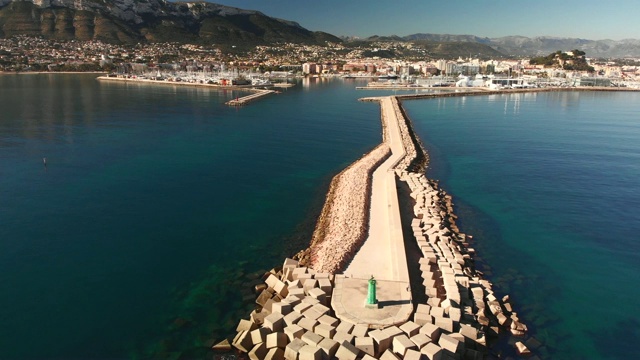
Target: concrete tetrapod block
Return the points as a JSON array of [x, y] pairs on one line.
[[275, 354], [365, 344], [277, 339], [401, 344], [346, 351], [292, 351], [329, 348], [433, 351], [258, 352], [274, 322], [325, 330], [311, 338], [410, 328], [294, 332], [310, 352]]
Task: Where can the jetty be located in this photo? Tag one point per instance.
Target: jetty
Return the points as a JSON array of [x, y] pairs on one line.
[[350, 295], [258, 93]]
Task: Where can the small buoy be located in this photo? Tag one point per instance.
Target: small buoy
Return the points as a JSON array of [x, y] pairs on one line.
[[44, 161]]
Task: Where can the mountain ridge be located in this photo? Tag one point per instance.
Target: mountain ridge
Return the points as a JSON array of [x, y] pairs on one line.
[[129, 21], [540, 45]]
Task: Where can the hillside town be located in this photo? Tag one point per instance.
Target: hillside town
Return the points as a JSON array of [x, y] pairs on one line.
[[391, 63]]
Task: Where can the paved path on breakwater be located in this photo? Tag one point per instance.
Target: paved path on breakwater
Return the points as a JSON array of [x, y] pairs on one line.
[[383, 253]]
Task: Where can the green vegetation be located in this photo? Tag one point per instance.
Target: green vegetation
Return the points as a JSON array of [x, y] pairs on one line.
[[573, 60]]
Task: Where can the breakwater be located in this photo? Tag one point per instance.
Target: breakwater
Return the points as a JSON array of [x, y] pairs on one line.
[[296, 315], [342, 226], [256, 93], [259, 93]]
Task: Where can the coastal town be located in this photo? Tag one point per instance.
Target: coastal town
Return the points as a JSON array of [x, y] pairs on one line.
[[414, 68]]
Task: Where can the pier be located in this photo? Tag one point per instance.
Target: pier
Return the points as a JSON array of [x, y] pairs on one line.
[[258, 93]]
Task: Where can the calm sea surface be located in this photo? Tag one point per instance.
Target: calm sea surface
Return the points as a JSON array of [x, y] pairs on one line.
[[549, 185], [159, 205]]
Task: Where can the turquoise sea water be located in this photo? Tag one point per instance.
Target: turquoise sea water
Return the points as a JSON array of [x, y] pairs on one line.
[[160, 204], [549, 185], [156, 207]]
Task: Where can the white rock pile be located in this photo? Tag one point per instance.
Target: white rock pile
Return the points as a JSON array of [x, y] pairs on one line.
[[343, 224]]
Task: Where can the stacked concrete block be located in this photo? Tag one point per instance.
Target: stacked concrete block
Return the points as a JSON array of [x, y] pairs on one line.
[[259, 335], [347, 351], [277, 340], [294, 332], [311, 338], [310, 353], [365, 344], [258, 352], [359, 331], [432, 351], [401, 344], [242, 341], [328, 348], [308, 324], [318, 294], [292, 351], [292, 318], [412, 354], [451, 345], [410, 328], [420, 340], [343, 337], [274, 322], [274, 354]]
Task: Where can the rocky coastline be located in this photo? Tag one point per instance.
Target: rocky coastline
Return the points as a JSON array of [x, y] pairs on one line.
[[461, 318]]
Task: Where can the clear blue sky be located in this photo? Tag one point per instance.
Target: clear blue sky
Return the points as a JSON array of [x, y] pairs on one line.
[[587, 19]]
